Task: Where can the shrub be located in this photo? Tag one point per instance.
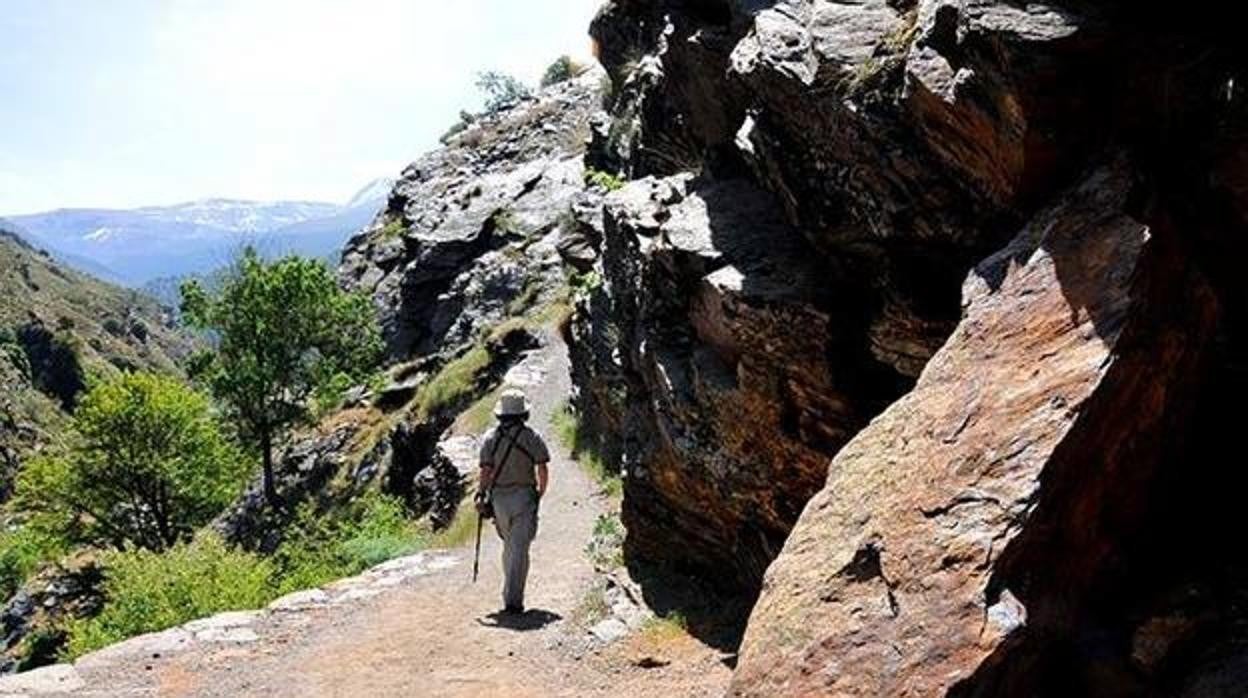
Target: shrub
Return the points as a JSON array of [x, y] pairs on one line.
[[500, 90], [456, 381], [606, 180], [563, 69], [575, 437], [23, 550], [320, 549], [606, 546], [150, 591], [147, 465]]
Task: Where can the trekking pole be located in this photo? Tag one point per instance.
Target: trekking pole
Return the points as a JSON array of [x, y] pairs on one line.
[[476, 559]]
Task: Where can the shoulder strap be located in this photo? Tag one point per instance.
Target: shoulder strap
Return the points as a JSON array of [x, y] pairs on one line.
[[499, 465]]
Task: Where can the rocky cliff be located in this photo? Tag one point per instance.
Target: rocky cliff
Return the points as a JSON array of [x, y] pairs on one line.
[[918, 316], [462, 264]]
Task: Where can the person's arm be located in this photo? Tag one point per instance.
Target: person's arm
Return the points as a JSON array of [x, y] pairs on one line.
[[485, 459], [543, 478]]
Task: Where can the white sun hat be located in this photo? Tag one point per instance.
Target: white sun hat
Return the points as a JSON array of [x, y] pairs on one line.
[[512, 403]]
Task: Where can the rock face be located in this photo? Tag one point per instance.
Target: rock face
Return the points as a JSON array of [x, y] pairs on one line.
[[33, 620], [471, 228], [966, 269], [704, 379], [1075, 360]]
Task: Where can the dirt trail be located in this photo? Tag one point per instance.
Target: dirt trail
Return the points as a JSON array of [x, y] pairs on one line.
[[424, 629]]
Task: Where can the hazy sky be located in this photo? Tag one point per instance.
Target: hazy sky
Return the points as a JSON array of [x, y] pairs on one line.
[[122, 103]]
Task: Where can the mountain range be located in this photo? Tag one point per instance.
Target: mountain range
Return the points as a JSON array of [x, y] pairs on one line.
[[137, 246]]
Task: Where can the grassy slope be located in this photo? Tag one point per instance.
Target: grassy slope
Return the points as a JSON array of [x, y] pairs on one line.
[[32, 286]]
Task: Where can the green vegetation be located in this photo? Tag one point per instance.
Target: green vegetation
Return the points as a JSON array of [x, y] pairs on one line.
[[889, 56], [606, 546], [23, 550], [323, 548], [592, 607], [455, 382], [150, 591], [480, 415], [574, 436], [283, 330], [146, 465], [501, 90], [505, 222], [606, 180], [392, 229], [564, 68], [33, 282], [666, 627], [460, 530]]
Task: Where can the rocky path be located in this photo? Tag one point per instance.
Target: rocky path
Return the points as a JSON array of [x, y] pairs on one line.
[[417, 626]]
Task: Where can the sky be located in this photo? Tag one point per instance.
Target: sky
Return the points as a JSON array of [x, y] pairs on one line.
[[124, 103]]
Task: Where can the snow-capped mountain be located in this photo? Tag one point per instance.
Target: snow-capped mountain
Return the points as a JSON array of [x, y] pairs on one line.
[[138, 245]]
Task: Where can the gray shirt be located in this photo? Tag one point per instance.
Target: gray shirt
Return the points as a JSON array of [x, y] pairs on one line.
[[529, 451]]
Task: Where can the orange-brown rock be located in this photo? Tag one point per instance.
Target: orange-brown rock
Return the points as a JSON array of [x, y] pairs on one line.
[[980, 511]]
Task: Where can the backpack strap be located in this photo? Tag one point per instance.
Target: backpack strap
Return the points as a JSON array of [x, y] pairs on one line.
[[499, 465]]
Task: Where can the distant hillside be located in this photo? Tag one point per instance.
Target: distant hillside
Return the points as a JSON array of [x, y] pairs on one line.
[[57, 329], [136, 246]]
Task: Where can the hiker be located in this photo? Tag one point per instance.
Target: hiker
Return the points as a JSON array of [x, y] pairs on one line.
[[514, 475]]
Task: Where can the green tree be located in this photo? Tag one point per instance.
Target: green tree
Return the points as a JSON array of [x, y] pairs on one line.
[[563, 69], [501, 90], [146, 464], [284, 330]]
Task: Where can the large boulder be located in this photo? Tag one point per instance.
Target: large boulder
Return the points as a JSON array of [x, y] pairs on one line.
[[987, 504]]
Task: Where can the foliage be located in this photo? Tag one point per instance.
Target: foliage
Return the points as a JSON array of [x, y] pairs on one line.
[[454, 382], [13, 353], [393, 229], [606, 180], [146, 465], [504, 221], [460, 530], [150, 591], [575, 437], [666, 627], [501, 90], [584, 284], [321, 549], [480, 415], [23, 550], [283, 329], [606, 546], [564, 68]]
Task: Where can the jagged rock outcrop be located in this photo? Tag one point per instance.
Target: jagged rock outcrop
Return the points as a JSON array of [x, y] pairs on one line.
[[33, 620], [468, 234], [824, 220], [699, 373]]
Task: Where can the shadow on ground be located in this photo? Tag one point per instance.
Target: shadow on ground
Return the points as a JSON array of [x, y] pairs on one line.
[[532, 619], [708, 613]]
